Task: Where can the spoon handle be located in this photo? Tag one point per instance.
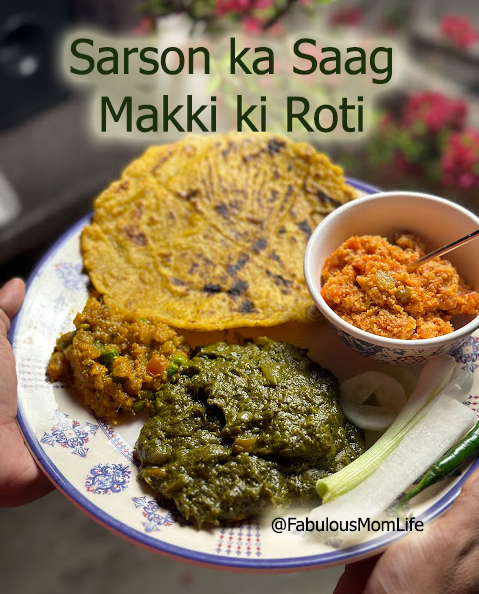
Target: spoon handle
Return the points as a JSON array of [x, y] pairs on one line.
[[443, 250]]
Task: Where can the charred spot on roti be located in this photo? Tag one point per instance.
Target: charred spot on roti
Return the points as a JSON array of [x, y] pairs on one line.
[[238, 288], [136, 236], [162, 160], [305, 228], [240, 263], [211, 288], [274, 256], [279, 280], [246, 306], [323, 196], [187, 195], [222, 209], [138, 212], [275, 145], [259, 245]]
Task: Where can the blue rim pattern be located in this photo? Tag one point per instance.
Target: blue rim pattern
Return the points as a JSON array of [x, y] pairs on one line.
[[280, 564]]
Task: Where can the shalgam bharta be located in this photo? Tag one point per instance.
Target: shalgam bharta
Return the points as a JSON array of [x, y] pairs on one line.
[[115, 359], [241, 428]]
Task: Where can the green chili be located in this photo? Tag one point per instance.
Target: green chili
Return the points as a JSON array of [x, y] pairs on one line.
[[451, 461]]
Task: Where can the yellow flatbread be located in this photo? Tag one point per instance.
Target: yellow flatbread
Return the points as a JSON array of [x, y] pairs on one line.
[[210, 232]]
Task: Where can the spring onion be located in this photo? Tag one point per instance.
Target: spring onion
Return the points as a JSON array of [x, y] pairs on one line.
[[433, 380]]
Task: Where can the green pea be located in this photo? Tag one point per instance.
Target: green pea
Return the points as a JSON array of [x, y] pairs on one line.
[[98, 344], [139, 405], [171, 370], [179, 360], [108, 357], [84, 327]]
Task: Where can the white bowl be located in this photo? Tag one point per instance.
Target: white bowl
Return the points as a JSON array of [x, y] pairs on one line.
[[437, 222]]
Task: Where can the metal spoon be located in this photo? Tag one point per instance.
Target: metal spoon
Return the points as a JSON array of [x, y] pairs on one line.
[[443, 250]]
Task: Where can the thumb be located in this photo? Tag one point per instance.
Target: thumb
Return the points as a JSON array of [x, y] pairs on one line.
[[11, 299]]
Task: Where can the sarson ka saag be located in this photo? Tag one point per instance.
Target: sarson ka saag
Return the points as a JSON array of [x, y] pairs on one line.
[[241, 428]]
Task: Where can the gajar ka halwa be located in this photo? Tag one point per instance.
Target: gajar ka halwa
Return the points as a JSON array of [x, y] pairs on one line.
[[366, 282]]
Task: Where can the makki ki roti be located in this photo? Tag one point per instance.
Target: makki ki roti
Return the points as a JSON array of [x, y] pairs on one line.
[[209, 233]]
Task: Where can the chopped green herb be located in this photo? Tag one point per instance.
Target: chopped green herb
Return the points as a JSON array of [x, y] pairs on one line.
[[139, 405]]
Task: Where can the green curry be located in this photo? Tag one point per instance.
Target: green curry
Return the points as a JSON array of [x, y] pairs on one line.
[[241, 428]]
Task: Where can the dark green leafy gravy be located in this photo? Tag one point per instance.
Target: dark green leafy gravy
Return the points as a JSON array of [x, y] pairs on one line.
[[242, 428]]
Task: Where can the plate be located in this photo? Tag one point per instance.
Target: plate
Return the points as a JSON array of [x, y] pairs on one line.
[[90, 461]]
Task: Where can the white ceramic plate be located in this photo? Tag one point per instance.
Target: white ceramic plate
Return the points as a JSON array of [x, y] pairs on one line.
[[90, 461]]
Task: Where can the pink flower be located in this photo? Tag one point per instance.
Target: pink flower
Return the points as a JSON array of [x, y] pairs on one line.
[[458, 31], [262, 4], [224, 7], [435, 111], [145, 26], [460, 161], [348, 17], [243, 8], [252, 25]]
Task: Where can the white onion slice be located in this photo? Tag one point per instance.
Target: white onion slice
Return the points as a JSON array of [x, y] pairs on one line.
[[388, 393]]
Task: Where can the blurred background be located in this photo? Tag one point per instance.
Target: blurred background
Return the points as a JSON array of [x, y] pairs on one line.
[[51, 167], [426, 138]]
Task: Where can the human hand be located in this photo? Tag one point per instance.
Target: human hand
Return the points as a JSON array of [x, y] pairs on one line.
[[21, 480], [443, 558]]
